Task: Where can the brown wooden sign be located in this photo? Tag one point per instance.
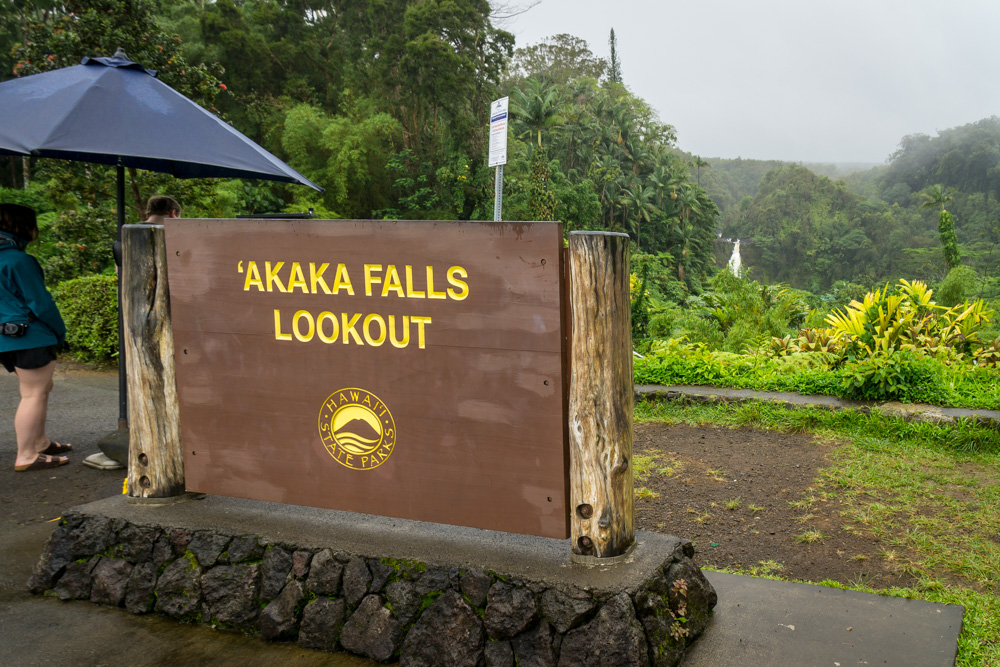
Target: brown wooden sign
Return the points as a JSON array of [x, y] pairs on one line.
[[403, 368]]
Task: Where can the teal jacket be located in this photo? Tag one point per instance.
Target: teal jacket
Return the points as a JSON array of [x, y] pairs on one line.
[[23, 298]]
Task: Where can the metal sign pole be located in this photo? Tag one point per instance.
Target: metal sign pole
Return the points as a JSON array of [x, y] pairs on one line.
[[498, 149], [498, 199]]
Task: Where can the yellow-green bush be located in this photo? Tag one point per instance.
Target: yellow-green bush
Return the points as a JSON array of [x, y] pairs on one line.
[[908, 319]]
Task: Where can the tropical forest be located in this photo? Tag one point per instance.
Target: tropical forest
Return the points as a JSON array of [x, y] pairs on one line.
[[868, 283]]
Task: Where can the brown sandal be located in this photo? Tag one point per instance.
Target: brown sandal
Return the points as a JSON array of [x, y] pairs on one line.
[[42, 462], [56, 449]]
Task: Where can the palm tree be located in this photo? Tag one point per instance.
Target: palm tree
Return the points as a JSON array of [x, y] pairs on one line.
[[606, 172], [639, 199], [640, 154], [537, 107], [697, 162], [688, 238], [935, 195], [688, 201], [664, 183]]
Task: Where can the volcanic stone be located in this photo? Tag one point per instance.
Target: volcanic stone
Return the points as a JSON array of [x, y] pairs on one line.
[[139, 590], [137, 542], [357, 579], [405, 602], [55, 557], [178, 590], [207, 546], [322, 622], [75, 583], [300, 563], [380, 574], [614, 638], [372, 631], [476, 586], [244, 548], [447, 633], [509, 610], [534, 647], [325, 573], [499, 654], [566, 609], [230, 593], [93, 536], [279, 620], [110, 578], [276, 570]]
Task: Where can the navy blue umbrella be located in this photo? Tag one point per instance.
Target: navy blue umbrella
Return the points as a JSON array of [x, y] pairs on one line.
[[113, 111]]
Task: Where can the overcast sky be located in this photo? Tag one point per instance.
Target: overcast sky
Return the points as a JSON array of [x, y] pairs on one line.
[[797, 80]]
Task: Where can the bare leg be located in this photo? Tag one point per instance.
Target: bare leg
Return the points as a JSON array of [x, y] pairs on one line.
[[29, 420]]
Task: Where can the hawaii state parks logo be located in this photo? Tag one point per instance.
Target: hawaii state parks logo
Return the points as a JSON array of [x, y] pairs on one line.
[[357, 428]]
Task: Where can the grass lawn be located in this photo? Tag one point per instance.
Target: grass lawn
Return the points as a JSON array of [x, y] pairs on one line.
[[929, 493]]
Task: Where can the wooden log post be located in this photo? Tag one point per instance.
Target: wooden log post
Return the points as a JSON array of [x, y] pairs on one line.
[[600, 396], [155, 458]]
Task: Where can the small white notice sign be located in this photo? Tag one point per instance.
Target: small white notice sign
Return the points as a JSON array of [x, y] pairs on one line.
[[498, 132]]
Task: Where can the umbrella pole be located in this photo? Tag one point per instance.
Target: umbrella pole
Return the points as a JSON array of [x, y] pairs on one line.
[[122, 375], [114, 445]]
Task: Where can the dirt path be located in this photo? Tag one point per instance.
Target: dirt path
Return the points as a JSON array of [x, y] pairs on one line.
[[747, 499]]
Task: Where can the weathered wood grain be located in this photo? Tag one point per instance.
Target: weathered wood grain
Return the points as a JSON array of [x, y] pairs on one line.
[[600, 396], [156, 464]]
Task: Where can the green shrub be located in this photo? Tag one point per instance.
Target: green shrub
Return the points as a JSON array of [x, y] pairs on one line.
[[896, 376], [976, 387], [89, 306], [904, 376], [958, 286], [744, 313], [77, 243], [34, 196], [639, 299]]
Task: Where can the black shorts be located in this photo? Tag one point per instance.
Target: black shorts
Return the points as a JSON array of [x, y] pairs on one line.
[[30, 359]]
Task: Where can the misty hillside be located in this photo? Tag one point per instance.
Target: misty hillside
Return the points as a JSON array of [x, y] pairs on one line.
[[810, 230]]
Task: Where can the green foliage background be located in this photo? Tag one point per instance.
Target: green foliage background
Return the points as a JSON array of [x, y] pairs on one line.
[[390, 116], [89, 306]]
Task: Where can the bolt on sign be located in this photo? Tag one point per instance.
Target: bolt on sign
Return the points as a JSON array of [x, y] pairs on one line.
[[402, 368]]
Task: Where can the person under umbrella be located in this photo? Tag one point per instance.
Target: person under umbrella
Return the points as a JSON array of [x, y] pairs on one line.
[[158, 209], [31, 329], [161, 207]]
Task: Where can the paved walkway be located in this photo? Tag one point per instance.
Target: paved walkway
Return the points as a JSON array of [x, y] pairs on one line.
[[763, 622], [757, 621]]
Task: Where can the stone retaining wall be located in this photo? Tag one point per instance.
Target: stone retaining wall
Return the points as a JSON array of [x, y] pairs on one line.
[[374, 605]]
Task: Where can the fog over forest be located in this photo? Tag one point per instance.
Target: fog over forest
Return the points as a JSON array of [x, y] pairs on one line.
[[389, 118]]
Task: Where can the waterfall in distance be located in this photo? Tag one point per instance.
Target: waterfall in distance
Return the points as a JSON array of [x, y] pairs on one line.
[[735, 260]]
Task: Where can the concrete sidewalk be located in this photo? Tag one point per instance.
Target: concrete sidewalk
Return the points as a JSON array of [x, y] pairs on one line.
[[757, 621], [764, 622]]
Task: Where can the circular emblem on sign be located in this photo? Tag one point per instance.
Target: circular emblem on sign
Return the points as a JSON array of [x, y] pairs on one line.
[[357, 429]]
